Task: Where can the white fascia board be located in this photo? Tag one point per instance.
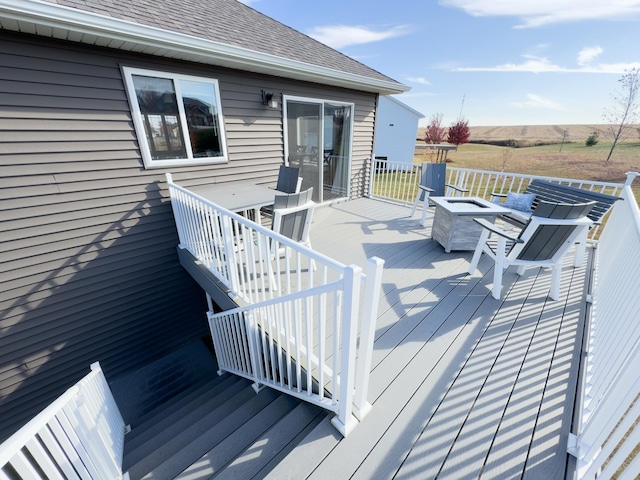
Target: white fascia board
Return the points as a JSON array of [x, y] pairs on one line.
[[56, 18], [405, 106]]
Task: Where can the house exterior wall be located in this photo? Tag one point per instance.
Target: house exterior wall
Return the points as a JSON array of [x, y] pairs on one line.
[[88, 242], [396, 130]]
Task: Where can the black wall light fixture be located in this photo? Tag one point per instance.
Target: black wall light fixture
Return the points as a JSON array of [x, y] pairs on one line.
[[268, 100]]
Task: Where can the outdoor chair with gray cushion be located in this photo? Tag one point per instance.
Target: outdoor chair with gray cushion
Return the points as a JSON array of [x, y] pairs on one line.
[[552, 229], [289, 181], [422, 196], [429, 177], [522, 204], [292, 214]]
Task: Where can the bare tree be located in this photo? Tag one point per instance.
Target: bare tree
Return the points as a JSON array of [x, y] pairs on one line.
[[625, 109], [435, 132]]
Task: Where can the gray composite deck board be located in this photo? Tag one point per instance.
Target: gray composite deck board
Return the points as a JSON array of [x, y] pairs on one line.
[[218, 457], [212, 432], [462, 385], [269, 445]]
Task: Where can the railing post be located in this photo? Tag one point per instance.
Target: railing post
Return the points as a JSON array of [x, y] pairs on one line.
[[345, 421], [229, 253], [361, 407], [630, 178], [177, 212], [372, 175]]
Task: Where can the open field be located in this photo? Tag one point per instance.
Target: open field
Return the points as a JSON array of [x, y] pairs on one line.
[[532, 134], [528, 135], [573, 159]]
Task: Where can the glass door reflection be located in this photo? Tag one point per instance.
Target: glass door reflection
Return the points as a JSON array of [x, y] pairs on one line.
[[319, 143]]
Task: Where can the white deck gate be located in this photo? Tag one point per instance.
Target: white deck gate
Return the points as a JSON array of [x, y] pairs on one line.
[[304, 313], [606, 432], [79, 436]]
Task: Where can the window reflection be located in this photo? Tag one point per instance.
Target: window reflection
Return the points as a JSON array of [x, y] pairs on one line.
[[159, 110], [202, 120]]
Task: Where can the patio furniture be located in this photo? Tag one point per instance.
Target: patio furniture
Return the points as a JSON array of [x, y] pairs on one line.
[[292, 214], [289, 179], [432, 181], [238, 197], [422, 196], [453, 225], [522, 204], [546, 238]]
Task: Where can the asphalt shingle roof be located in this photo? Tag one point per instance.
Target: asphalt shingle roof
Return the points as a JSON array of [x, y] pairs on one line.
[[229, 22]]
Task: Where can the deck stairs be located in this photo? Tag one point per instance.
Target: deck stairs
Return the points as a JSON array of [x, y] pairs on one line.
[[193, 423]]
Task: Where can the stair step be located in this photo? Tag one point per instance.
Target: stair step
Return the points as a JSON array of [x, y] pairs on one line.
[[146, 389], [199, 437], [169, 405], [160, 430], [236, 441], [260, 457]]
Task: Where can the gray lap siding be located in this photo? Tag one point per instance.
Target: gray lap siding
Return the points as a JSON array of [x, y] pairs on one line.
[[87, 246]]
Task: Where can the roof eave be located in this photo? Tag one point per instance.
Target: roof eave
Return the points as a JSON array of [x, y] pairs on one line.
[[56, 21]]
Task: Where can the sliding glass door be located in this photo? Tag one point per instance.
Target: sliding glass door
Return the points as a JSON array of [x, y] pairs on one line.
[[318, 140]]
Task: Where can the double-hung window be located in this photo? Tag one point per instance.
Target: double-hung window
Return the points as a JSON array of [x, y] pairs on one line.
[[178, 118]]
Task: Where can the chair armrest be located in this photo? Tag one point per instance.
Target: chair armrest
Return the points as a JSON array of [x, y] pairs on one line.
[[495, 195], [426, 189], [459, 189], [288, 210], [497, 230]]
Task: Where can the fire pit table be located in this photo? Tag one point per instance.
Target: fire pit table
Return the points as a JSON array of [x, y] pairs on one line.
[[453, 225]]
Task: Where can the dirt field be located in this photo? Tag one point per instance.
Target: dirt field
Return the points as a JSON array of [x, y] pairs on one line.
[[532, 134]]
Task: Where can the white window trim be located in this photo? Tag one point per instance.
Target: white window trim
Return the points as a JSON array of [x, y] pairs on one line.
[[149, 162]]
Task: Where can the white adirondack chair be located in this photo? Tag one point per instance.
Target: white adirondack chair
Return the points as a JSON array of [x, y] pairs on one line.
[[545, 239]]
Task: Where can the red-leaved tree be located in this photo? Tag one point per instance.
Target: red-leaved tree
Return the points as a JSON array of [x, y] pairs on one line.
[[459, 133], [435, 132]]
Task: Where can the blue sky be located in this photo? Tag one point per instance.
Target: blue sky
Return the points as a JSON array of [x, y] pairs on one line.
[[499, 62]]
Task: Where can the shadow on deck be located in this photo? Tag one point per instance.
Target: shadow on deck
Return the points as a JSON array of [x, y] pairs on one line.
[[462, 385]]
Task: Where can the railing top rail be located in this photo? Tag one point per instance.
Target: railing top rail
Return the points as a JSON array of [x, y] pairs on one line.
[[630, 177], [317, 290], [325, 260]]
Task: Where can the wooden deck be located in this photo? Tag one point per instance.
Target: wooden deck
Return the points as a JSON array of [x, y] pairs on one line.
[[463, 386]]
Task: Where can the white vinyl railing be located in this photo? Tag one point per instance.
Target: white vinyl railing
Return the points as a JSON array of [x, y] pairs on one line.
[[305, 344], [252, 261], [396, 181], [78, 436], [302, 308], [606, 428]]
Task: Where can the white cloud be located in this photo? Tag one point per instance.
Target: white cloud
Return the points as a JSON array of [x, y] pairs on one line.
[[588, 54], [338, 36], [420, 80], [536, 101], [535, 64], [531, 64], [535, 13]]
